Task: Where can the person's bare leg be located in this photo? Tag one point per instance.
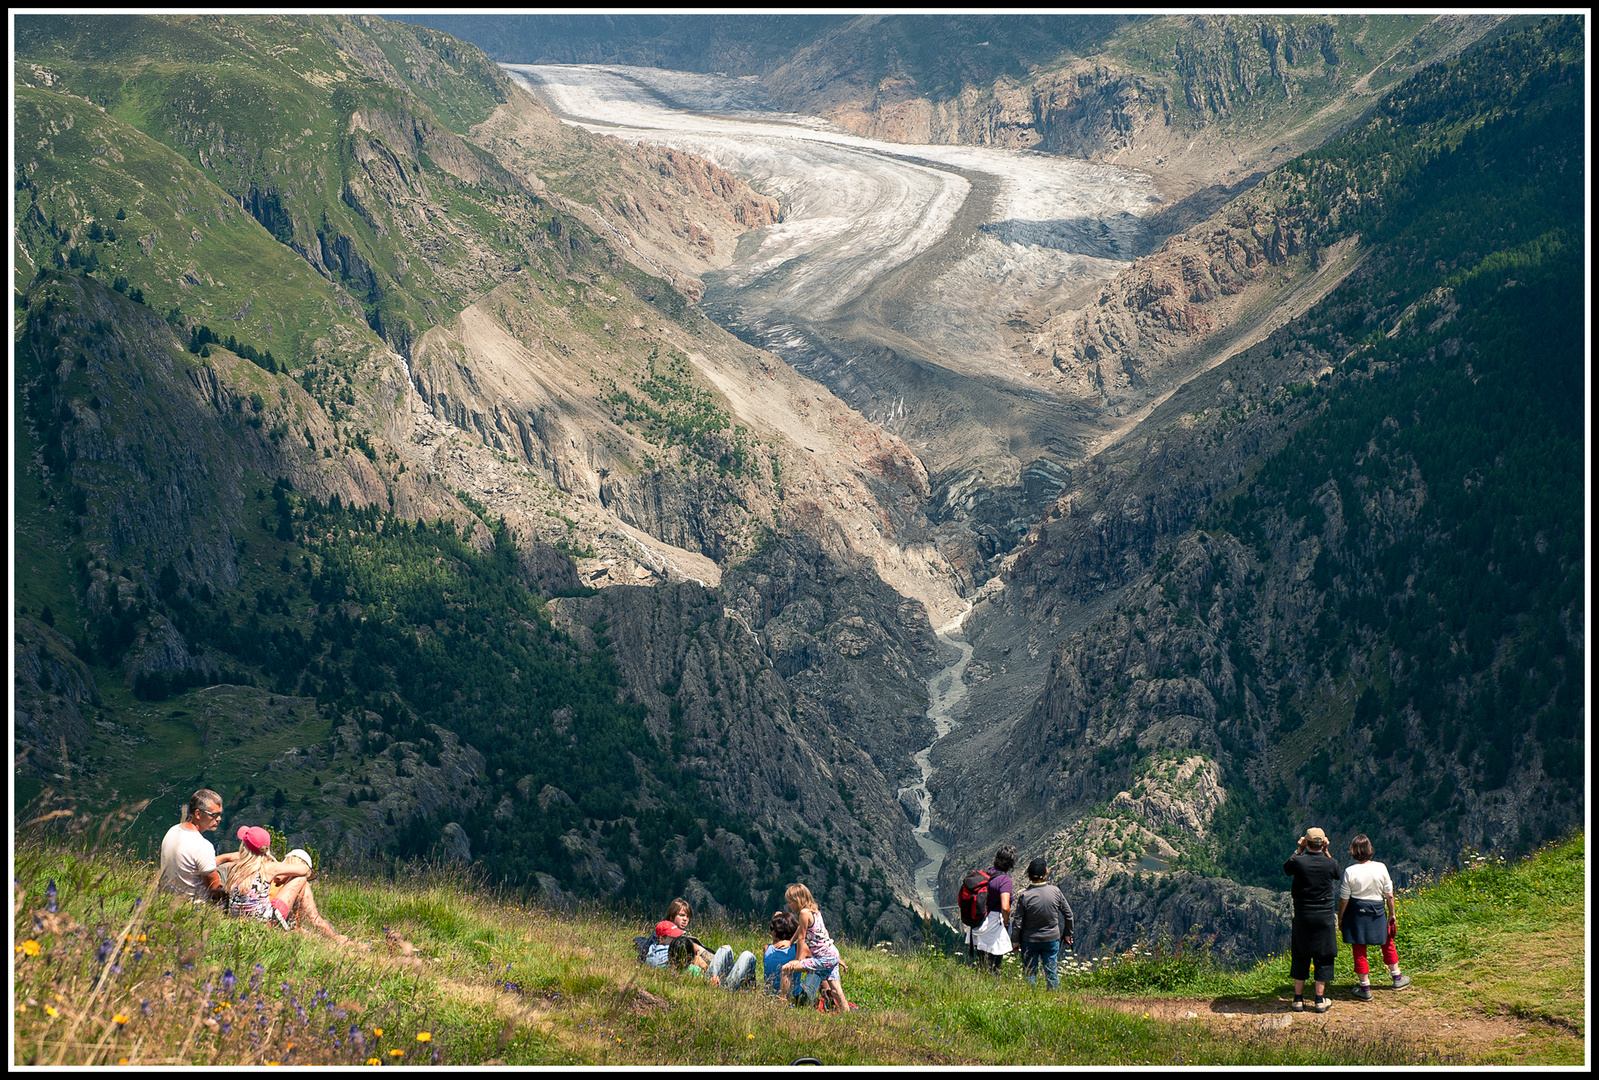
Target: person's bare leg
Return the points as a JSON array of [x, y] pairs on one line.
[[308, 911], [289, 894]]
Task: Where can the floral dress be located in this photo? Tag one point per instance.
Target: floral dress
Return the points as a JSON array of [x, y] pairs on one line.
[[252, 900], [823, 953]]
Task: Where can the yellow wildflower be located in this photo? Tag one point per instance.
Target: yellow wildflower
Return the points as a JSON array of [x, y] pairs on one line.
[[424, 1036], [396, 1053], [377, 1033], [51, 1009], [31, 947], [122, 1061], [119, 1019], [373, 1061]]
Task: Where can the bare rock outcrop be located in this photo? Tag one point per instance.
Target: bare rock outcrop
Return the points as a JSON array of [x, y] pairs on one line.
[[53, 691]]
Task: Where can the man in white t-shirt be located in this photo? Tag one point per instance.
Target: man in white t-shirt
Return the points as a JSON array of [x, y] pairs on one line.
[[188, 860]]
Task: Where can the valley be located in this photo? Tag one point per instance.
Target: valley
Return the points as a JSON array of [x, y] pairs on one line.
[[893, 271], [662, 489]]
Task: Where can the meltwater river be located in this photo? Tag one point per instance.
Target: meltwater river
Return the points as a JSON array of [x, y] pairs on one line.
[[945, 692]]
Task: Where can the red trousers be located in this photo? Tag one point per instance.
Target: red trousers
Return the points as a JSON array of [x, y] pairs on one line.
[[1390, 955]]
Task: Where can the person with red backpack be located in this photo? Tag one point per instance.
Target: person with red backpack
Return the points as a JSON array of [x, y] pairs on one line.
[[985, 898]]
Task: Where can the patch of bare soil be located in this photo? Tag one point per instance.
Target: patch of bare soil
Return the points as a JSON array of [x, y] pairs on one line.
[[1397, 1018]]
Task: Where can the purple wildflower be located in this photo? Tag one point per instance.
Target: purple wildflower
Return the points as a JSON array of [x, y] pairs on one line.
[[50, 896], [226, 1028], [229, 981], [144, 1006]]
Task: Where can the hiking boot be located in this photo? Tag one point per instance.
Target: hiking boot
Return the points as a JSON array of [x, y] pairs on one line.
[[277, 917], [1299, 1003], [1401, 982], [1322, 1004], [1362, 992]]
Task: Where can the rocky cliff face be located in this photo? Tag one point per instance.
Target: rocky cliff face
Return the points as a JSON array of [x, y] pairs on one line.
[[1203, 97], [54, 692], [797, 690], [1191, 295]]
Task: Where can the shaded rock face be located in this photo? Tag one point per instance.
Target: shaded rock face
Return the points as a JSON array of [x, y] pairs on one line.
[[54, 690], [455, 844], [161, 650], [152, 467], [1232, 919], [797, 691], [393, 783], [404, 784]]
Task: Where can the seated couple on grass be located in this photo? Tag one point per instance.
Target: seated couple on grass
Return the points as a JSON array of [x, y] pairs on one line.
[[257, 885], [672, 944]]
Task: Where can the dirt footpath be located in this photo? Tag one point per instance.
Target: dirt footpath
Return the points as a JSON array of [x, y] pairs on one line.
[[1395, 1017]]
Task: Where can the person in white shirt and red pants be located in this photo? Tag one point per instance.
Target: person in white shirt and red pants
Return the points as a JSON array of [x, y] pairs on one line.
[[1364, 895]]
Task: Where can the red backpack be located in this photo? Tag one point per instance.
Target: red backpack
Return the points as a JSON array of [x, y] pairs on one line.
[[974, 897]]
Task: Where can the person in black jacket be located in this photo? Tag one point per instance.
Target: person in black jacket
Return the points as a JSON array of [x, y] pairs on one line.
[[1315, 929], [1042, 923]]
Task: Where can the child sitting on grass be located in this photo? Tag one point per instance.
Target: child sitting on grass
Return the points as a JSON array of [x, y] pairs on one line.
[[817, 953], [801, 991], [721, 968]]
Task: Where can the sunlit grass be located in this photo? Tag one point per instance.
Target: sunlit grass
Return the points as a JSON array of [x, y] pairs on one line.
[[483, 978]]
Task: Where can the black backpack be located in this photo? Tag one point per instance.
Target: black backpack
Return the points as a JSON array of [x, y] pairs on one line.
[[974, 897]]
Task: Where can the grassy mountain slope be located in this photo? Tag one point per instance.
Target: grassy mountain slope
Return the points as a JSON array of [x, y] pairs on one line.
[[396, 681], [1357, 601], [260, 550], [309, 126], [461, 976]]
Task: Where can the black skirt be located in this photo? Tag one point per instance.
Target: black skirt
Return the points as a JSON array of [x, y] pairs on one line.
[[1315, 929], [1365, 922]]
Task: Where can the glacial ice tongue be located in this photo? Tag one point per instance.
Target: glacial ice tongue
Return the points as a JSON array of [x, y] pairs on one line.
[[857, 208]]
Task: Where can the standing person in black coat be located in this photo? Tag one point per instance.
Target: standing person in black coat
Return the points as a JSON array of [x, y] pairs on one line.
[[1042, 924], [1315, 932]]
